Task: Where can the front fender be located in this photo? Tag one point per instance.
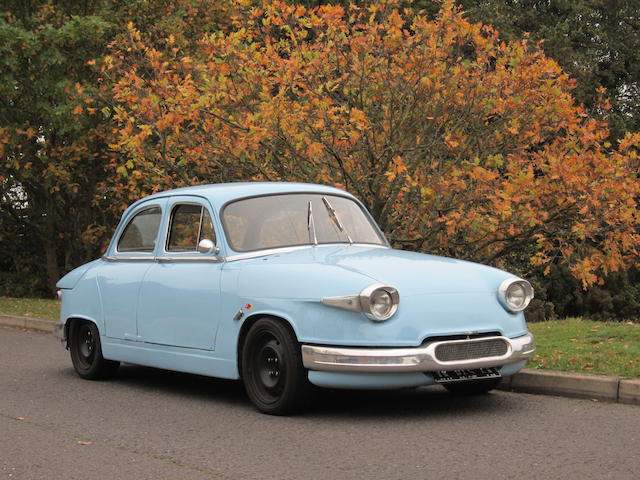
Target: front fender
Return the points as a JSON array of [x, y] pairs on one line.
[[71, 279], [83, 301]]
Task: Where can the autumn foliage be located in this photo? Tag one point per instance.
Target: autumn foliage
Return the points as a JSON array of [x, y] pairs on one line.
[[52, 151], [56, 211], [457, 142]]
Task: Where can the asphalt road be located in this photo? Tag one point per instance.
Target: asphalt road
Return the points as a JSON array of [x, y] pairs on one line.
[[155, 424]]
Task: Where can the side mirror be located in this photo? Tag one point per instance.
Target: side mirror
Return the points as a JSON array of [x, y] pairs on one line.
[[207, 246]]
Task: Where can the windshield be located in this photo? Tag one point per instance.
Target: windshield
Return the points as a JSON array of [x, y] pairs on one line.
[[296, 219]]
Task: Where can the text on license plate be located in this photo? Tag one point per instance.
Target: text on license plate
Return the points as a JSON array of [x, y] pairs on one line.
[[460, 375]]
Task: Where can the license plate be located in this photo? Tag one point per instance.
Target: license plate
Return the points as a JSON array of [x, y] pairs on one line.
[[451, 376]]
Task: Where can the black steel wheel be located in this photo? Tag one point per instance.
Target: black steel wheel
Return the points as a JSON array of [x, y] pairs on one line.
[[473, 387], [86, 352], [272, 371]]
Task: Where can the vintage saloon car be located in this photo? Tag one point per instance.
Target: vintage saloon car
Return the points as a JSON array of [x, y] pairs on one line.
[[285, 285]]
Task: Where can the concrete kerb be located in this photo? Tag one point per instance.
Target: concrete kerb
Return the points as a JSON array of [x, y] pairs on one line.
[[32, 323], [545, 382], [629, 391], [565, 384]]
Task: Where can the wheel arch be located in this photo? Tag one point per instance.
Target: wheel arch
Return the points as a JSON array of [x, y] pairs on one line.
[[77, 319], [246, 326]]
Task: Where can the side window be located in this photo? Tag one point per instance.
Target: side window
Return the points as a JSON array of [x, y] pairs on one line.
[[189, 225], [141, 232], [207, 232]]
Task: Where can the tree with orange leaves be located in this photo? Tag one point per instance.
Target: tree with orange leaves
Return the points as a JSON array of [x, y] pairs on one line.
[[457, 142]]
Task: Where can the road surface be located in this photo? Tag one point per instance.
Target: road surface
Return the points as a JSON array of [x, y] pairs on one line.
[[153, 424]]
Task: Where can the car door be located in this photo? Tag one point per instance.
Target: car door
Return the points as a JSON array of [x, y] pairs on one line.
[[127, 261], [180, 295]]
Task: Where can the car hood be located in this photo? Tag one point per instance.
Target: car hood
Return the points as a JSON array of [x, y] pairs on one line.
[[411, 273]]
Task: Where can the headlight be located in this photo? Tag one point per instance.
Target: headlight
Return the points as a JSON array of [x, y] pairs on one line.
[[515, 294], [379, 302]]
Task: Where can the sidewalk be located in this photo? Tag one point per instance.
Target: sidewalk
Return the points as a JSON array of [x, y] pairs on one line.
[[544, 382]]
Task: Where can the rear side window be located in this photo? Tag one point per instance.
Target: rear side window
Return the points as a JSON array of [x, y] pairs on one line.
[[141, 232], [190, 224]]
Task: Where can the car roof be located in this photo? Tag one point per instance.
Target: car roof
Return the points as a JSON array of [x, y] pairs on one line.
[[221, 193]]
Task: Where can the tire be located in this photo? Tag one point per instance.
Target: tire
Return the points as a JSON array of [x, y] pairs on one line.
[[86, 352], [272, 371], [473, 387]]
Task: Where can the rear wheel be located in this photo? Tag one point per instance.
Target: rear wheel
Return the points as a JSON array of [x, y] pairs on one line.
[[473, 387], [272, 371], [86, 352]]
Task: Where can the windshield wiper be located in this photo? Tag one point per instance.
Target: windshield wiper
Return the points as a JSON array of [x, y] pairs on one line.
[[311, 226], [335, 218]]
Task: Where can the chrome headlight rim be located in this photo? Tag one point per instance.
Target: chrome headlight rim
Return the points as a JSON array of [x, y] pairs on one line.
[[366, 301], [510, 283]]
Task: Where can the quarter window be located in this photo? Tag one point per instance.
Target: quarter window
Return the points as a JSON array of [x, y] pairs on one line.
[[190, 224], [141, 232]]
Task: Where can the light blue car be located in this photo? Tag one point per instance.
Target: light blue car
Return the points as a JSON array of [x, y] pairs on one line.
[[284, 285]]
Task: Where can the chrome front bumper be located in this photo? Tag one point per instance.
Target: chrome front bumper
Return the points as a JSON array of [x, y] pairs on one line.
[[416, 359]]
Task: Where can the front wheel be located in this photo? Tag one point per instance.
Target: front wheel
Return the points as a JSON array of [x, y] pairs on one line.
[[472, 387], [272, 371], [86, 352]]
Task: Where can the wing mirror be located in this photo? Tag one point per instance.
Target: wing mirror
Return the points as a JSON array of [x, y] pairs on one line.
[[207, 246]]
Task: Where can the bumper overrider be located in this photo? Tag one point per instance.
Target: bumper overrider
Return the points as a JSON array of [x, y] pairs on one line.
[[434, 356]]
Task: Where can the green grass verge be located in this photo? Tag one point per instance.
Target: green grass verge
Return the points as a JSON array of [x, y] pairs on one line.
[[30, 307], [575, 345]]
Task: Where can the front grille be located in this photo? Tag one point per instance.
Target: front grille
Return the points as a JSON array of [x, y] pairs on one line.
[[452, 352]]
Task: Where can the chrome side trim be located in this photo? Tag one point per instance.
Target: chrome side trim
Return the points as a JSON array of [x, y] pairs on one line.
[[264, 253], [128, 259], [189, 259], [165, 259], [240, 256], [346, 302], [273, 251], [418, 359]]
